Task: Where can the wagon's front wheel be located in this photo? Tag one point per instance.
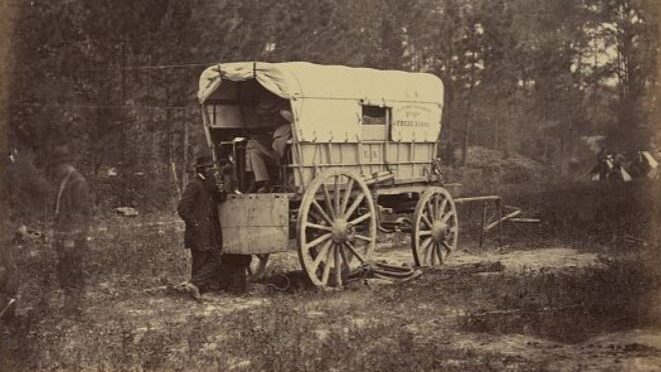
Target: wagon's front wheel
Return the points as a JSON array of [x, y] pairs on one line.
[[435, 227], [336, 227]]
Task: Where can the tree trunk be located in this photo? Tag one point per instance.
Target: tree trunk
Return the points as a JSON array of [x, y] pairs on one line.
[[171, 143], [184, 173], [467, 126]]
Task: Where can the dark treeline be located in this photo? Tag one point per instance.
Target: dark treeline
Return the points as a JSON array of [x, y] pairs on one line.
[[118, 79]]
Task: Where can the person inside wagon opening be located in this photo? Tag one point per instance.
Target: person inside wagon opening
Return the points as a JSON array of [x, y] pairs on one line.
[[262, 152]]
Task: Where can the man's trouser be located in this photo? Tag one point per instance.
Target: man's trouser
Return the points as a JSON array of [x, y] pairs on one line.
[[257, 156], [233, 273], [70, 272], [205, 269], [212, 272]]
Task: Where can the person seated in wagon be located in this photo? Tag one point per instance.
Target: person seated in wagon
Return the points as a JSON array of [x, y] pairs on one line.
[[265, 152]]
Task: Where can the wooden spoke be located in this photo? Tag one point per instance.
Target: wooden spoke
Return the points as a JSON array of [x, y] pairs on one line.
[[355, 252], [363, 237], [321, 211], [345, 258], [439, 253], [428, 252], [424, 232], [320, 256], [446, 217], [354, 205], [329, 202], [427, 221], [326, 271], [345, 199], [442, 208], [338, 264], [360, 219], [318, 240], [319, 227], [447, 246], [432, 254], [336, 193], [437, 210], [436, 260], [424, 251], [430, 209]]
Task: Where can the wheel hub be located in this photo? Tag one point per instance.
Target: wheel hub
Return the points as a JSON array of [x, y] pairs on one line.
[[439, 231], [342, 231]]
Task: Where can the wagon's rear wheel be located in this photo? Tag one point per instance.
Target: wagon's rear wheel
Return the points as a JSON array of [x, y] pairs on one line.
[[257, 267], [435, 227], [336, 227]]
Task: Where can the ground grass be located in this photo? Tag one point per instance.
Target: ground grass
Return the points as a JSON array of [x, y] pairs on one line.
[[414, 326], [421, 325]]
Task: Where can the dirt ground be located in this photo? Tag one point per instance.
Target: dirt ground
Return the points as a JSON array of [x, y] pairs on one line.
[[553, 308]]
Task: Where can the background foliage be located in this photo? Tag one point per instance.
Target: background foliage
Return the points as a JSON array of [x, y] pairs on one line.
[[118, 80]]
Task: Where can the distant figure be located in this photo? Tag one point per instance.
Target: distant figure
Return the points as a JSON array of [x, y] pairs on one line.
[[262, 150], [71, 228], [603, 167], [202, 236]]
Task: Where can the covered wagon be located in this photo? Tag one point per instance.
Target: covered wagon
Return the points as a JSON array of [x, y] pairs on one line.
[[363, 148]]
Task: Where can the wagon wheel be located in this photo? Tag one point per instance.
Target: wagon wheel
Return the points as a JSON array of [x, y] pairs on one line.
[[435, 227], [336, 227], [257, 267]]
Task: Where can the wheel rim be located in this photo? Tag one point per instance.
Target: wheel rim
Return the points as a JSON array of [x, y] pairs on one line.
[[435, 227], [257, 267], [336, 227]]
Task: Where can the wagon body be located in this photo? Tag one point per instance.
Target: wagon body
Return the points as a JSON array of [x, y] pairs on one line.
[[364, 142], [360, 119]]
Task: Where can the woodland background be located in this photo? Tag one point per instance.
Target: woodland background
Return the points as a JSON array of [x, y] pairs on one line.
[[117, 80]]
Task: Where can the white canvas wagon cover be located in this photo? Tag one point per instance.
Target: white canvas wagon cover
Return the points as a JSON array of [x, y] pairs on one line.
[[327, 99]]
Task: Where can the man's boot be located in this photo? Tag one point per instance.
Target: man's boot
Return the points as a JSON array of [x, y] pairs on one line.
[[233, 277]]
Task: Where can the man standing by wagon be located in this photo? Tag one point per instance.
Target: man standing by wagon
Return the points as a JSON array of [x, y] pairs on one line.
[[71, 228], [202, 236]]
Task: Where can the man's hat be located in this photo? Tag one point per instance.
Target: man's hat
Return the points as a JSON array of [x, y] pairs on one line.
[[202, 159], [61, 154]]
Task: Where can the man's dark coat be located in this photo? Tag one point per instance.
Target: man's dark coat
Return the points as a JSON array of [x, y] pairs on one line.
[[198, 210]]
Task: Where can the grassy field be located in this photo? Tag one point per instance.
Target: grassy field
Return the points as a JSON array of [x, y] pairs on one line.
[[536, 304]]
